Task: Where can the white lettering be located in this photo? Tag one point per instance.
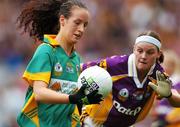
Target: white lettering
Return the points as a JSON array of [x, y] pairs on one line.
[[66, 86], [126, 111], [137, 110]]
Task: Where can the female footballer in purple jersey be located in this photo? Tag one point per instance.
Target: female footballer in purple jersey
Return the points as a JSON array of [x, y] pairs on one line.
[[131, 97]]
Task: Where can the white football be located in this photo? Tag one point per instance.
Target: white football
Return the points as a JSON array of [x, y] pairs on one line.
[[96, 78]]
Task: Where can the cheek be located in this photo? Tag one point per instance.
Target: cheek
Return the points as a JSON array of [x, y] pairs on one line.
[[70, 27], [72, 30], [151, 61], [69, 33]]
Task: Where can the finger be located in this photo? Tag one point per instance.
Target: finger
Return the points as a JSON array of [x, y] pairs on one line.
[[84, 86], [93, 93], [160, 76], [82, 89], [163, 77], [98, 96], [169, 81], [153, 86], [98, 99], [98, 102], [157, 75]]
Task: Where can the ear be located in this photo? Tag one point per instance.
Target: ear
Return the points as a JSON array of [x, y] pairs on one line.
[[62, 20]]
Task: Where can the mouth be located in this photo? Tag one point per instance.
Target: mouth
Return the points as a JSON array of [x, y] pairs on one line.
[[78, 36], [142, 62]]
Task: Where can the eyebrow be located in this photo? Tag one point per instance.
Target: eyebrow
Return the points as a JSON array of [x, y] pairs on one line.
[[148, 49], [78, 19]]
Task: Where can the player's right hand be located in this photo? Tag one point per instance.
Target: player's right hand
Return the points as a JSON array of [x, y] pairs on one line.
[[163, 85]]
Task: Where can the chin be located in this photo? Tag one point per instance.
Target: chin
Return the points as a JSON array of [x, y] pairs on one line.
[[74, 42], [143, 68]]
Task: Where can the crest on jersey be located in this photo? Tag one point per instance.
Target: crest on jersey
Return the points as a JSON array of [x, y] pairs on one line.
[[58, 69], [56, 86], [123, 94], [69, 67], [138, 95]]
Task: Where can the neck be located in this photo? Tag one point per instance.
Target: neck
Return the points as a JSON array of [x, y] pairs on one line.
[[68, 47], [141, 75]]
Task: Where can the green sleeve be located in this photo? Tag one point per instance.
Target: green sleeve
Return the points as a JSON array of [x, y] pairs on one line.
[[40, 66]]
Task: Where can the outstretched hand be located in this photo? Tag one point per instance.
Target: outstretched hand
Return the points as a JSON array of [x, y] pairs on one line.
[[163, 85], [80, 97]]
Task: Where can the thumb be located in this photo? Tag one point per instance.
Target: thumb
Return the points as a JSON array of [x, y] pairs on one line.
[[83, 87], [153, 86]]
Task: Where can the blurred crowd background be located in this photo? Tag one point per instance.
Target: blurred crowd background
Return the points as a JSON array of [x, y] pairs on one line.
[[112, 30]]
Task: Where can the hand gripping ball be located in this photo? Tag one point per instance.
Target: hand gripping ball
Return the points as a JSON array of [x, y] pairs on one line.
[[96, 78]]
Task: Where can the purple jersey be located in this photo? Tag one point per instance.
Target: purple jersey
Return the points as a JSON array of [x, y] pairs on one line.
[[130, 100], [176, 86]]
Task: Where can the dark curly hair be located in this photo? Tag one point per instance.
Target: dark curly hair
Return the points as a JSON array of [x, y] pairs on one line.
[[39, 17]]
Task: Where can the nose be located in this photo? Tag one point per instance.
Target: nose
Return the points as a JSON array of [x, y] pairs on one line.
[[81, 28], [144, 55]]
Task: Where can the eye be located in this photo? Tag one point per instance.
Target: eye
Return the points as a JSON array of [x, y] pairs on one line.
[[85, 24], [77, 22], [139, 50], [150, 52]]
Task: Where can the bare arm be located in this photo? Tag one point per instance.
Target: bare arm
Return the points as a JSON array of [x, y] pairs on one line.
[[175, 98], [45, 95]]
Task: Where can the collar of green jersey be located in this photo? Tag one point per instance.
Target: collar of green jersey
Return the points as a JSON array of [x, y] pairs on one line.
[[50, 39]]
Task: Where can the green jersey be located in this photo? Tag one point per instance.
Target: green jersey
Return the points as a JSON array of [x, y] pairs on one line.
[[52, 65]]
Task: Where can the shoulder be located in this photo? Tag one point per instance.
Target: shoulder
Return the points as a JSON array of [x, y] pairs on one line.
[[120, 59], [44, 48], [76, 54], [117, 64], [159, 67]]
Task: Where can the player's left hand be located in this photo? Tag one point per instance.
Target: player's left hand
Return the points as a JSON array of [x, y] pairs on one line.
[[163, 85], [82, 99]]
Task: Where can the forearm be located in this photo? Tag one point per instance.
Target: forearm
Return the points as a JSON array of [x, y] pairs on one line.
[[174, 100], [46, 95]]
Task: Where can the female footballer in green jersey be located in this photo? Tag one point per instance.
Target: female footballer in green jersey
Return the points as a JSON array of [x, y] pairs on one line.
[[52, 73]]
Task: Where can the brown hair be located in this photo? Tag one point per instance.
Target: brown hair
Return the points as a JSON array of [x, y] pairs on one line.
[[155, 35], [39, 17]]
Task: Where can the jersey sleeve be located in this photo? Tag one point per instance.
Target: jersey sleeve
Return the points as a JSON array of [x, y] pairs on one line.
[[101, 63], [40, 66]]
